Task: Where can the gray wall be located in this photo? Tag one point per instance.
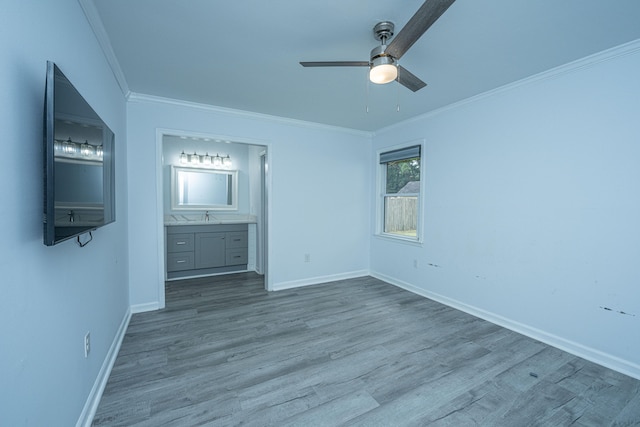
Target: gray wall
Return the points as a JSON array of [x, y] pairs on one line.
[[319, 204], [53, 296], [532, 207]]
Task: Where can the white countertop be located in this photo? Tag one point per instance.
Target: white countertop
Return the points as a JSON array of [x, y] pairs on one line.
[[199, 219]]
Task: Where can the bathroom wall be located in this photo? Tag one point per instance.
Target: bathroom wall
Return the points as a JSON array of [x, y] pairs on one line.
[[173, 146], [258, 197]]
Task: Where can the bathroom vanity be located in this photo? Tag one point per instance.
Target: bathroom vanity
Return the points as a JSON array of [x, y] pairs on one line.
[[206, 230], [205, 249]]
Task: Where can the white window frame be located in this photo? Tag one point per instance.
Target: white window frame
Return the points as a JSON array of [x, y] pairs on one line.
[[381, 172]]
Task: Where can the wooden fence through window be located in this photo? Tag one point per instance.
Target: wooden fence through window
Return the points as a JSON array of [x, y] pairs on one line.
[[401, 214]]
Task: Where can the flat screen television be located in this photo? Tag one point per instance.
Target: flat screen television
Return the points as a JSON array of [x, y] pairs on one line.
[[79, 181]]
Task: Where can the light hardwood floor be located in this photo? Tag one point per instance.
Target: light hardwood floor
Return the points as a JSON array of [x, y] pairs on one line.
[[357, 352]]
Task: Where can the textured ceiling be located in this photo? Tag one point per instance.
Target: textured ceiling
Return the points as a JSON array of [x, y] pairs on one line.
[[244, 54]]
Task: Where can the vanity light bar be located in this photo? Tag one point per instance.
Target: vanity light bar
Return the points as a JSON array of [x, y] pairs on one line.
[[196, 159], [78, 150]]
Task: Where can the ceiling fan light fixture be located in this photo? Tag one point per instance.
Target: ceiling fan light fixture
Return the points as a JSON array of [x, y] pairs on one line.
[[383, 70], [383, 67]]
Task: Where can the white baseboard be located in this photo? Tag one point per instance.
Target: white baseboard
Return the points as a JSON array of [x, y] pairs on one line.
[[318, 280], [596, 356], [91, 405], [141, 308]]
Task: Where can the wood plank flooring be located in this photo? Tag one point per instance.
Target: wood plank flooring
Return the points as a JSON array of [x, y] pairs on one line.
[[357, 352]]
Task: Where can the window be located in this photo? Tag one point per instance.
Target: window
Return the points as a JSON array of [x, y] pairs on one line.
[[400, 195]]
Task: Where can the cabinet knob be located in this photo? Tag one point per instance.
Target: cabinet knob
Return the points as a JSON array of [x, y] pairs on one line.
[[181, 261], [181, 243]]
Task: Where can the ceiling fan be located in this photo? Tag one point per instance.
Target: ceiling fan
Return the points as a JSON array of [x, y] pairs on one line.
[[383, 64]]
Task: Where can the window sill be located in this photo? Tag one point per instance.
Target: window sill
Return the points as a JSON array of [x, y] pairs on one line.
[[399, 239]]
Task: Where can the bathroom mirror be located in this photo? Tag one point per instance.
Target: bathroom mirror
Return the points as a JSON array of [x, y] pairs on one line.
[[203, 189]]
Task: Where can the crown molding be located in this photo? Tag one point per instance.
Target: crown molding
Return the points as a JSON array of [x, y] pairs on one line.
[[91, 13], [143, 98], [625, 49]]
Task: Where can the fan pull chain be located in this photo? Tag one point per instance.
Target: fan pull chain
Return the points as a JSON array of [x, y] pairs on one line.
[[367, 96], [398, 89]]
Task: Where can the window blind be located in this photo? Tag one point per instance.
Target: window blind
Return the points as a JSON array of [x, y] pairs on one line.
[[400, 154]]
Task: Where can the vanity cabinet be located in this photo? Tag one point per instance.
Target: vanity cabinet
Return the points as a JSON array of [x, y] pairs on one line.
[[199, 250]]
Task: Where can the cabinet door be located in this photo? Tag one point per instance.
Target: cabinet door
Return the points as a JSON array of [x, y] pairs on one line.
[[210, 250]]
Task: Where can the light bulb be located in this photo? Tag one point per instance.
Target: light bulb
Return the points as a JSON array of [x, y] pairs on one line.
[[86, 149], [383, 73], [195, 159], [69, 147]]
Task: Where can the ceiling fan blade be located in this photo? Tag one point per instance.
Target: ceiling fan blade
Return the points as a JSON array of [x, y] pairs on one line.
[[408, 80], [420, 22], [335, 64]]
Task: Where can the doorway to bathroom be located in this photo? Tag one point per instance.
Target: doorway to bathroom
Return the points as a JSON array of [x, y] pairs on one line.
[[239, 169]]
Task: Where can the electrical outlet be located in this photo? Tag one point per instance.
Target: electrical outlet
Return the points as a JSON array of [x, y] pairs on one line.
[[415, 263], [87, 344], [307, 257]]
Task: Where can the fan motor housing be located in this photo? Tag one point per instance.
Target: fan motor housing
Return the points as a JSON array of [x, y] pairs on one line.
[[383, 31], [379, 57]]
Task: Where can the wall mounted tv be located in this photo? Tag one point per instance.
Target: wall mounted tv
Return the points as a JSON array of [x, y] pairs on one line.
[[79, 181]]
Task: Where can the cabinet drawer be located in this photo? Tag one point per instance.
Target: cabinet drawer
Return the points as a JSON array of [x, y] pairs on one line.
[[180, 242], [236, 256], [180, 261], [237, 239]]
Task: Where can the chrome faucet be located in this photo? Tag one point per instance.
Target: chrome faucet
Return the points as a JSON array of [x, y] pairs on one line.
[[206, 216]]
